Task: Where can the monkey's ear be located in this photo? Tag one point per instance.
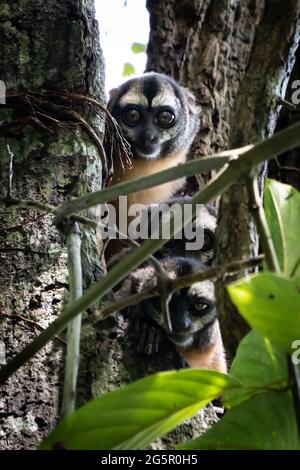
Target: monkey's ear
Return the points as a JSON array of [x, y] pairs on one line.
[[113, 93], [112, 97], [194, 108]]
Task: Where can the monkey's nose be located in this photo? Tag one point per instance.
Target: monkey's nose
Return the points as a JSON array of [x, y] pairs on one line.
[[151, 137], [181, 323]]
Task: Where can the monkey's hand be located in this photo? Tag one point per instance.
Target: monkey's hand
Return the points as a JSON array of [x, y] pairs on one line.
[[148, 332]]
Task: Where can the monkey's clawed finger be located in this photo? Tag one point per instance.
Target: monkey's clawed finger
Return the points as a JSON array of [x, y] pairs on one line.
[[149, 337]]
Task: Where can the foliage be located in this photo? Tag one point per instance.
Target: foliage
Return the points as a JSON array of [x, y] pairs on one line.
[[258, 389], [270, 303], [282, 206], [131, 418], [265, 422], [138, 48], [260, 406], [128, 69]]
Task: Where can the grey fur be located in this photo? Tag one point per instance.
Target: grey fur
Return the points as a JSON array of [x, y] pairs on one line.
[[177, 247], [149, 93], [181, 306]]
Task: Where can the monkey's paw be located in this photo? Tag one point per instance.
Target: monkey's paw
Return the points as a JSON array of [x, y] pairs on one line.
[[149, 335]]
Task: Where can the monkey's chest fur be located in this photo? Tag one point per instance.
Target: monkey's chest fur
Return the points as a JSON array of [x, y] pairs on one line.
[[141, 168]]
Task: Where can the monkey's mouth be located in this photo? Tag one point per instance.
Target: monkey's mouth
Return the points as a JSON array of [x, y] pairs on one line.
[[146, 152], [181, 339]]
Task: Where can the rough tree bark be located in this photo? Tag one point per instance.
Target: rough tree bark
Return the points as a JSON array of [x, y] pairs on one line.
[[44, 47], [237, 57]]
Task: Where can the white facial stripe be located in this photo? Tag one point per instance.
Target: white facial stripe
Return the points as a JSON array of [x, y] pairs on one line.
[[205, 288], [166, 97], [134, 96]]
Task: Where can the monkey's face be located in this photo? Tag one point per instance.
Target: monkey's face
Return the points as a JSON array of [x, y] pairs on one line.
[[192, 313], [157, 116]]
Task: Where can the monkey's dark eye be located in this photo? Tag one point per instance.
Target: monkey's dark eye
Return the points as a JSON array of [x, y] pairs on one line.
[[201, 306], [131, 116], [165, 118]]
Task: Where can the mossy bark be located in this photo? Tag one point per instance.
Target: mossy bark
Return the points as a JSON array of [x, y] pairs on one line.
[[44, 46]]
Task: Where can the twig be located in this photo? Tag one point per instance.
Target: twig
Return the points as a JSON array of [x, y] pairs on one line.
[[295, 268], [25, 203], [49, 110], [162, 279], [161, 272], [286, 168], [201, 164], [113, 307], [74, 327], [29, 321], [287, 104], [176, 284], [10, 171], [242, 161], [165, 310], [15, 228], [218, 272], [83, 220], [283, 141], [256, 207]]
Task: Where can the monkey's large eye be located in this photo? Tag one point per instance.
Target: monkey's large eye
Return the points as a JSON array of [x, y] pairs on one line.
[[201, 306], [131, 116], [165, 118]]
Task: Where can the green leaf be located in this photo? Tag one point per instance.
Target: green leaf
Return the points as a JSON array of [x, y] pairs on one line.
[[271, 304], [132, 417], [258, 364], [282, 207], [137, 47], [128, 69], [266, 422]]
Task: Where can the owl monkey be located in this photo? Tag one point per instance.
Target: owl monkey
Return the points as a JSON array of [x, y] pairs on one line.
[[160, 119], [193, 315]]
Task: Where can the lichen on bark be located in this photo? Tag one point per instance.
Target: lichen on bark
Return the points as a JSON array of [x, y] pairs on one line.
[[43, 46]]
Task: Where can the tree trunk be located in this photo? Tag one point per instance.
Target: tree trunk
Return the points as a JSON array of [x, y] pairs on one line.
[[236, 56], [47, 48]]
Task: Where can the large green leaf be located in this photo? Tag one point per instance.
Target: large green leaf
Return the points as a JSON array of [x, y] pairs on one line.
[[282, 207], [258, 364], [271, 304], [132, 417], [265, 422]]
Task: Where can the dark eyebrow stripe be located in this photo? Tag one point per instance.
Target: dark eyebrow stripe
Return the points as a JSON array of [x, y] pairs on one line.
[[150, 88]]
